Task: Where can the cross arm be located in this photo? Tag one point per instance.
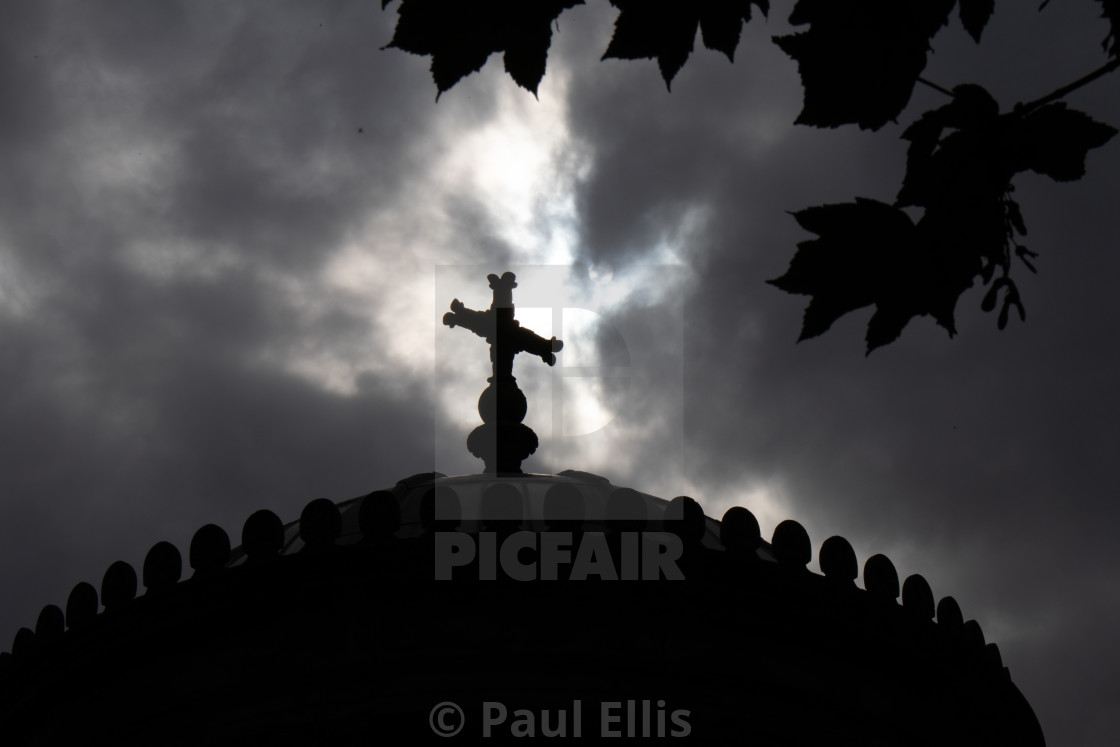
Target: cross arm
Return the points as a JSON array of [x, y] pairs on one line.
[[479, 322], [531, 342]]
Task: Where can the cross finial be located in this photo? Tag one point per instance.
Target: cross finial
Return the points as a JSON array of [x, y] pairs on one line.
[[502, 441]]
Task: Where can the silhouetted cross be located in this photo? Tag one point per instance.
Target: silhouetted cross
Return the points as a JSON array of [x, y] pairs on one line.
[[505, 334]]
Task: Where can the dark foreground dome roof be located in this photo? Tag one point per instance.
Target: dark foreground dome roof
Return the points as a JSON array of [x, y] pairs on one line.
[[334, 629]]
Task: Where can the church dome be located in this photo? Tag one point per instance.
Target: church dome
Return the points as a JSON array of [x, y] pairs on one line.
[[334, 629]]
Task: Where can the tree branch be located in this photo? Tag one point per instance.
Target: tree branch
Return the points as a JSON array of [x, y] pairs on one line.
[[936, 87], [1104, 69]]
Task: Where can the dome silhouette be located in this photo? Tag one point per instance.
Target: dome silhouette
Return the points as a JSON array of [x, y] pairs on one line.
[[333, 629]]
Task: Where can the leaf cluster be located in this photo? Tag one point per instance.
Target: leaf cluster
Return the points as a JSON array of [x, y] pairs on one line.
[[859, 61], [961, 161], [460, 35]]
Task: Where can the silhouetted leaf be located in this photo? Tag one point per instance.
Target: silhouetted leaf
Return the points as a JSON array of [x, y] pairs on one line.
[[937, 167], [721, 23], [859, 59], [885, 325], [461, 35], [666, 29], [869, 253], [1054, 140], [866, 254], [974, 15]]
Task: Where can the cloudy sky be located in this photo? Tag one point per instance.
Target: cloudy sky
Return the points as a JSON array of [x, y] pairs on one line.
[[228, 233]]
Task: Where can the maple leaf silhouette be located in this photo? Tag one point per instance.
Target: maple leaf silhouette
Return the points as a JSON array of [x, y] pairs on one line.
[[862, 253], [870, 253], [460, 36], [974, 15], [666, 29], [859, 59]]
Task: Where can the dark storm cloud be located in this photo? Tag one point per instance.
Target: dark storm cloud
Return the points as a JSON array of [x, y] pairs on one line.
[[984, 462], [175, 178]]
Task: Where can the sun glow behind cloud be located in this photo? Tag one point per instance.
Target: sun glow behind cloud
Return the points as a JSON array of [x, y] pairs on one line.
[[511, 166], [521, 167], [498, 195]]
